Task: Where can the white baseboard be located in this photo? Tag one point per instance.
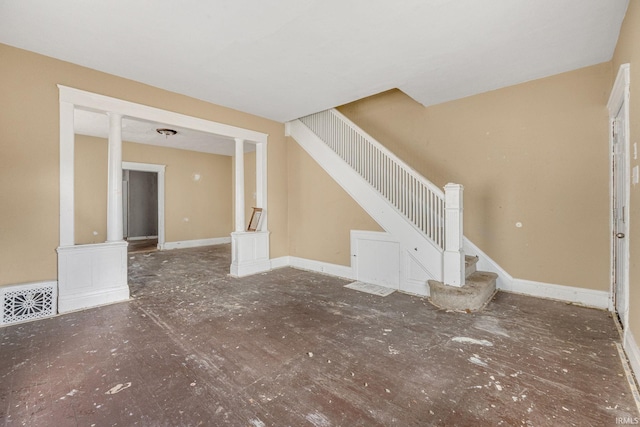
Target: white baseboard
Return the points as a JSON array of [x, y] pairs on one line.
[[322, 267], [633, 353], [580, 296], [507, 283], [85, 300], [485, 263], [195, 243], [249, 268], [283, 261], [133, 239]]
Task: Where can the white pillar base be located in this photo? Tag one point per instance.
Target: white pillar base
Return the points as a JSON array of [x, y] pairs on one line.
[[249, 253], [92, 275], [453, 268]]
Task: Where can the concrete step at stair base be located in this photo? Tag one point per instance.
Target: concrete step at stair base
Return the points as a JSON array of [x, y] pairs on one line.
[[474, 295]]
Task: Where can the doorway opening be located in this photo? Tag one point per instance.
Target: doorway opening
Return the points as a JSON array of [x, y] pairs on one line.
[[96, 274], [140, 209], [143, 206]]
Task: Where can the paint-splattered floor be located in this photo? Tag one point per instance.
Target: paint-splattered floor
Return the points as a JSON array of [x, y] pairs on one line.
[[293, 348]]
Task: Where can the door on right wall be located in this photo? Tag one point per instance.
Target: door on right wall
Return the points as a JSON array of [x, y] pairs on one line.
[[620, 216]]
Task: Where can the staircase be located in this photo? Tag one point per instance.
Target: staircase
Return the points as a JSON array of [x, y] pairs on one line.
[[424, 219], [479, 288]]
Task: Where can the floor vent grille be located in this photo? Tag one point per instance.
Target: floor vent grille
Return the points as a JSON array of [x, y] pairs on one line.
[[28, 302]]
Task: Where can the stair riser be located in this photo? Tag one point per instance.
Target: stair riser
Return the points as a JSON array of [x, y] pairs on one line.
[[473, 296], [470, 265]]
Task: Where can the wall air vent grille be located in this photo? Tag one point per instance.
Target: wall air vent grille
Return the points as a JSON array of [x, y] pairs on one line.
[[28, 302]]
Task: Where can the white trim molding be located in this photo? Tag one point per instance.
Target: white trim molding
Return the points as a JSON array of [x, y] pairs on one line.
[[620, 90], [579, 296], [322, 267], [81, 98], [194, 243], [280, 262], [507, 283], [485, 263], [619, 98], [633, 352]]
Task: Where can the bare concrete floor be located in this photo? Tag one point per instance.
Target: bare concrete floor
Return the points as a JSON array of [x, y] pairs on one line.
[[293, 348]]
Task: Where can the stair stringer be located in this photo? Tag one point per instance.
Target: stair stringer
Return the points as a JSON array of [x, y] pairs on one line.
[[417, 249]]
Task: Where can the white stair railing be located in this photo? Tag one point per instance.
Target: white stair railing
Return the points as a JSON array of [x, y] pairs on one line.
[[420, 201]]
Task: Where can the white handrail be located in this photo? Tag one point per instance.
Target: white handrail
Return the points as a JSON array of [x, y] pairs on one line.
[[418, 199]]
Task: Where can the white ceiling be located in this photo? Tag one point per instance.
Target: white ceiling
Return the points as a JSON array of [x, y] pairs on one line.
[[283, 59], [144, 132]]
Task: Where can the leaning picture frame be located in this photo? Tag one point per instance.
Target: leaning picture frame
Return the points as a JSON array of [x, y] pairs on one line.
[[254, 222]]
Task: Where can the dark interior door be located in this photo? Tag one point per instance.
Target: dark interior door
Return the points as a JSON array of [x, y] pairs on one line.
[[142, 204]]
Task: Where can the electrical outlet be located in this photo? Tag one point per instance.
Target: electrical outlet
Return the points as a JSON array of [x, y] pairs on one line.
[[635, 176]]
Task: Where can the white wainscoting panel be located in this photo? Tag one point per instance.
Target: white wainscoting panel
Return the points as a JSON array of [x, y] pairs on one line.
[[249, 253], [414, 277], [91, 275]]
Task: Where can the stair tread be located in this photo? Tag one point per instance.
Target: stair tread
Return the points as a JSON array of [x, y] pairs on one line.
[[481, 276], [478, 289], [474, 281]]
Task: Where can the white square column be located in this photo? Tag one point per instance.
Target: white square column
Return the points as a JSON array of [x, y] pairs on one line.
[[96, 274], [250, 249], [114, 198], [453, 261]]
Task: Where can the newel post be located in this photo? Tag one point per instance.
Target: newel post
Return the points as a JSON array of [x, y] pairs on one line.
[[453, 264]]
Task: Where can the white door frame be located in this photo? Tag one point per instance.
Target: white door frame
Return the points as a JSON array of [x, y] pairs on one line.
[[159, 169], [619, 101]]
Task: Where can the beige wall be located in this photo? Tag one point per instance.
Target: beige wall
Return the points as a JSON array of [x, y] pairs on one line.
[[90, 192], [535, 153], [29, 150], [628, 51], [321, 213], [193, 209]]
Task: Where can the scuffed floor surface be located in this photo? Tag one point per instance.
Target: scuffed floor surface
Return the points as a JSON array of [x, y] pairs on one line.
[[293, 348]]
